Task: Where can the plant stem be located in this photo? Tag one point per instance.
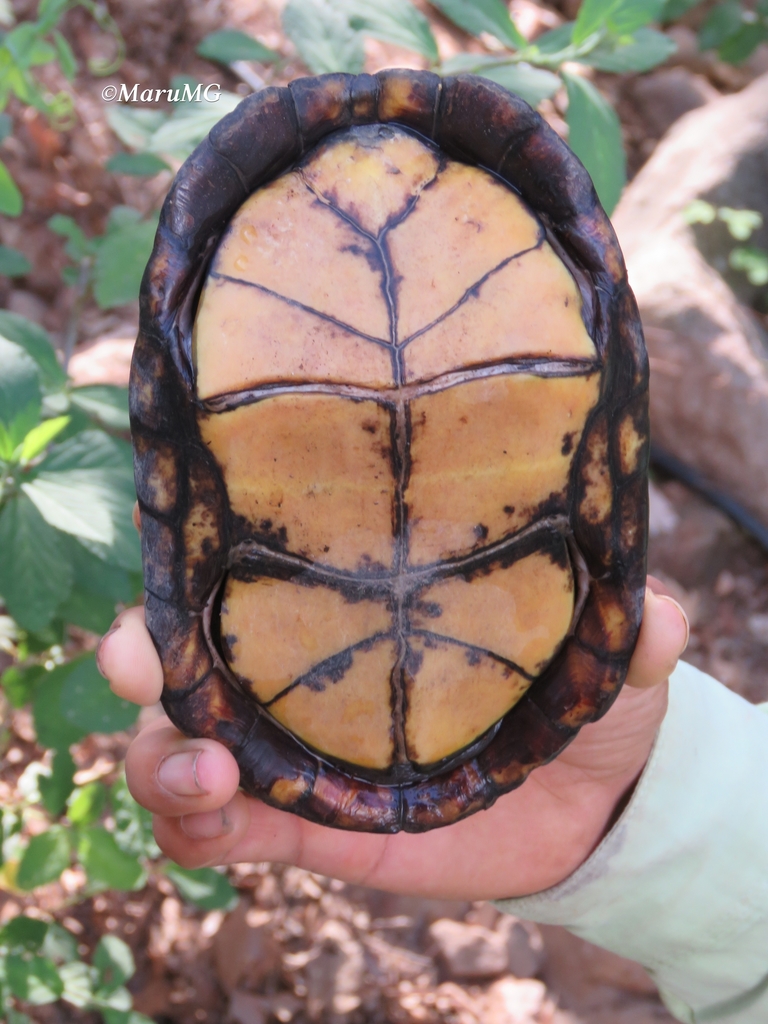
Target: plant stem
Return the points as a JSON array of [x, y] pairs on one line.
[[81, 288]]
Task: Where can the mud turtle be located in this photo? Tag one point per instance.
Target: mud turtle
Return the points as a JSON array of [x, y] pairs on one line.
[[389, 409]]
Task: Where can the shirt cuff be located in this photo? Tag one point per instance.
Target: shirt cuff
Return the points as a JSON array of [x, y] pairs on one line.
[[680, 883]]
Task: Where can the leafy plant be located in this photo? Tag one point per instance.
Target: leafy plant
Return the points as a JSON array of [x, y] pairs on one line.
[[608, 35], [39, 965], [108, 267], [69, 550], [33, 44], [750, 260]]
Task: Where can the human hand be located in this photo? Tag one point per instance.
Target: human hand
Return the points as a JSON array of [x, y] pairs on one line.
[[529, 840]]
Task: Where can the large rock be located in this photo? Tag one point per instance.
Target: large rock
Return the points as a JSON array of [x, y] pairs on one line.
[[709, 351]]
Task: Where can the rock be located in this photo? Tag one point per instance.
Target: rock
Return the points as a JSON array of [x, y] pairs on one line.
[[104, 361], [662, 516], [469, 951], [334, 977], [244, 949], [666, 95], [512, 1001], [709, 371], [247, 1008]]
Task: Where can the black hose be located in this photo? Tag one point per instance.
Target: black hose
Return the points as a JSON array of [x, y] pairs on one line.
[[671, 465]]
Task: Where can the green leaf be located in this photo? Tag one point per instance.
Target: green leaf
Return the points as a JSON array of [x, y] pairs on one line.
[[91, 449], [723, 21], [740, 223], [16, 1017], [83, 502], [121, 1017], [6, 126], [323, 37], [35, 981], [88, 611], [88, 703], [38, 439], [206, 888], [595, 138], [397, 21], [11, 202], [476, 16], [35, 576], [105, 403], [106, 865], [699, 212], [646, 49], [114, 961], [60, 945], [36, 343], [532, 84], [133, 823], [79, 246], [87, 803], [19, 684], [120, 262], [52, 729], [134, 126], [56, 787], [740, 46], [229, 45], [19, 388], [44, 859], [79, 980], [751, 261], [96, 577], [621, 17], [140, 165], [13, 263], [23, 934], [674, 9], [67, 61], [190, 123]]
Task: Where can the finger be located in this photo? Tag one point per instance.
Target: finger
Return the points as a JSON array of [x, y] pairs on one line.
[[203, 839], [136, 517], [170, 774], [127, 658], [663, 637]]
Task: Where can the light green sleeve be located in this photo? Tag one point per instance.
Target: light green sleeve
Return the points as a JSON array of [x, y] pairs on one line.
[[680, 884]]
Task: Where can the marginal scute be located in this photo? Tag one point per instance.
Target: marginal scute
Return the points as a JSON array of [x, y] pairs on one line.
[[346, 714], [275, 631]]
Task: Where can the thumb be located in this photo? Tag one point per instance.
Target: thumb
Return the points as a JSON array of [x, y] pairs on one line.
[[663, 638]]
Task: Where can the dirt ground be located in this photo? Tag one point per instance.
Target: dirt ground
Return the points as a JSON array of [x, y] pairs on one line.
[[300, 947]]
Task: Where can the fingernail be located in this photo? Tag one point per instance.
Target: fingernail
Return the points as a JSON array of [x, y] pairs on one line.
[[177, 774], [100, 646], [671, 600], [210, 825]]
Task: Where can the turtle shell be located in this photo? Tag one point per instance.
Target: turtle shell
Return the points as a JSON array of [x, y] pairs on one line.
[[389, 408]]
